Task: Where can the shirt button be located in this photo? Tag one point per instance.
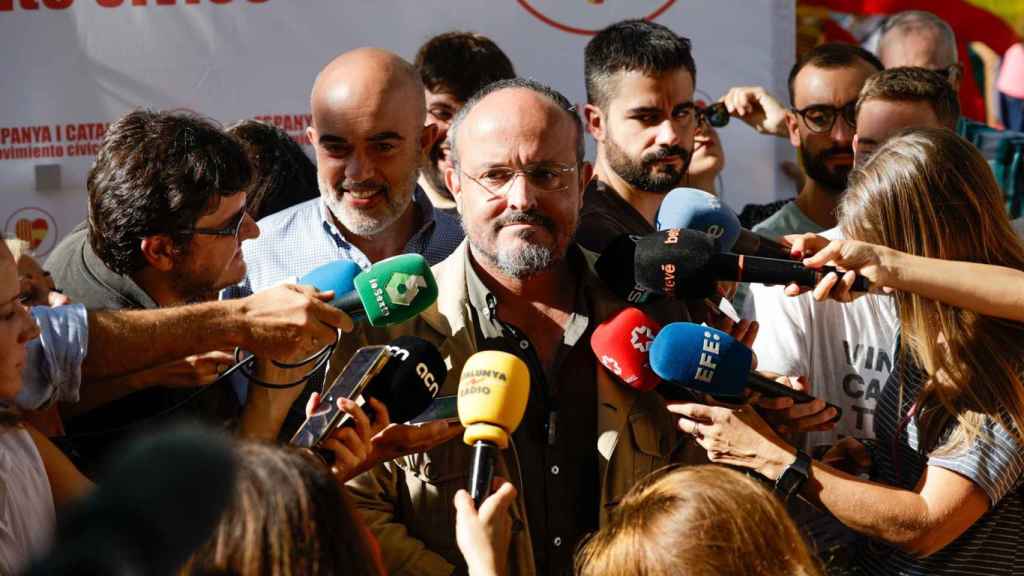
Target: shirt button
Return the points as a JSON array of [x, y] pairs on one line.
[[524, 344], [557, 541], [554, 470]]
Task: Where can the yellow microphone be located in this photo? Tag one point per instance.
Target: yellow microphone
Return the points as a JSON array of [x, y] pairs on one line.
[[493, 391]]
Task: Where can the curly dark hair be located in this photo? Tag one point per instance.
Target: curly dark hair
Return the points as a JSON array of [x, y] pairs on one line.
[[283, 175], [157, 173]]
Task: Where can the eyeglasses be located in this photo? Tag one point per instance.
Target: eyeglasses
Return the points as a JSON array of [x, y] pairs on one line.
[[716, 114], [547, 176], [231, 229], [820, 118]]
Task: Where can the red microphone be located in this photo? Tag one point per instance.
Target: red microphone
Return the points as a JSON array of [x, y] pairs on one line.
[[621, 345]]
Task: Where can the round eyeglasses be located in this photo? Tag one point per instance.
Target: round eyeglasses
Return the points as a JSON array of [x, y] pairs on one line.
[[546, 176], [820, 118]]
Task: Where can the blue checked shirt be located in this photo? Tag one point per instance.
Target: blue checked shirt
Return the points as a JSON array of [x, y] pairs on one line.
[[298, 240]]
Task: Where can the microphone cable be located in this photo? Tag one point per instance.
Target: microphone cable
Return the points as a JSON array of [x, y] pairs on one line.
[[243, 365]]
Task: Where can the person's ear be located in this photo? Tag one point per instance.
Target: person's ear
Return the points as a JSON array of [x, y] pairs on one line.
[[793, 125], [586, 173], [453, 180], [595, 122], [159, 251], [428, 138]]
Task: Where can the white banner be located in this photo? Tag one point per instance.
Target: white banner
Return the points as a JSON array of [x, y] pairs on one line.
[[73, 66]]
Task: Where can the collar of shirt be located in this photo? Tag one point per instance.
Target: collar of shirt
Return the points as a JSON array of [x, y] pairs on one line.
[[485, 303], [416, 242]]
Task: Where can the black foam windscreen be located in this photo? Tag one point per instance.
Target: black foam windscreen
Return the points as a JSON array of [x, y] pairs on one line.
[[410, 380], [675, 262], [156, 504], [615, 268]]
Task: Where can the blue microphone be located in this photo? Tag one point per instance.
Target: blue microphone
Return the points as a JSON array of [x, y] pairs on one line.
[[712, 362], [697, 210], [338, 276]]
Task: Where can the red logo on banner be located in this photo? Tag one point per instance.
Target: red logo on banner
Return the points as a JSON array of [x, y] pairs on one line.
[[35, 226], [585, 20]]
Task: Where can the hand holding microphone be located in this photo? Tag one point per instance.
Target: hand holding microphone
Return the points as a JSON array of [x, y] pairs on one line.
[[493, 392], [669, 261], [711, 362]]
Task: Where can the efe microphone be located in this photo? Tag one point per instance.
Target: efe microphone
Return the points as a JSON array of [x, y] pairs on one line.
[[712, 362], [493, 391]]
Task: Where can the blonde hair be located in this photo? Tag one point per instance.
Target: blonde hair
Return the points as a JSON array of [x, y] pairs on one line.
[[931, 193], [697, 521]]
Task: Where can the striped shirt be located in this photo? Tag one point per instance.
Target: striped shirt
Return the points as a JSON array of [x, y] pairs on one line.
[[995, 462]]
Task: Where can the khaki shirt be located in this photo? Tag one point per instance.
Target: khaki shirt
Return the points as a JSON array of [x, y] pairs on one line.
[[407, 502]]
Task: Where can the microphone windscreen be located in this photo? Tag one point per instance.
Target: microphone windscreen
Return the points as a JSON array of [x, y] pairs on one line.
[[701, 358], [675, 262], [622, 345], [493, 390], [338, 276], [156, 504], [396, 289], [615, 268], [410, 380], [697, 210]]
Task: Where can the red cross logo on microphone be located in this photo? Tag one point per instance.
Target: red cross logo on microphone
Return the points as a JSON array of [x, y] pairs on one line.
[[641, 338]]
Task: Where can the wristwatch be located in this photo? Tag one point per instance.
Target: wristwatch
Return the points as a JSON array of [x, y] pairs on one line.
[[794, 476]]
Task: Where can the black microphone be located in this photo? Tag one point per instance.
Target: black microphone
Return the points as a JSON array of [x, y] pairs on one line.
[[761, 246], [615, 268], [665, 259], [159, 501], [410, 380]]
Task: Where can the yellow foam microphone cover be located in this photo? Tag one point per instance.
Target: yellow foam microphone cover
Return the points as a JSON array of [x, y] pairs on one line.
[[493, 391]]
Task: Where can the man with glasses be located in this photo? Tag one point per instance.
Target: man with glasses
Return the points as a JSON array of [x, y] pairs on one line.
[[520, 284], [166, 224], [823, 89]]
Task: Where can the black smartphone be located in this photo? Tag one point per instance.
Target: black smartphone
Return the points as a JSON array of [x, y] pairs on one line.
[[366, 363], [443, 408]]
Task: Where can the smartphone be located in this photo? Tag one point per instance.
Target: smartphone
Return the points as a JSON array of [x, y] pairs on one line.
[[444, 408], [366, 363]]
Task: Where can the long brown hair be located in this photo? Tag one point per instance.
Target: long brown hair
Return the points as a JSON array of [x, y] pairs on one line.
[[930, 193], [697, 521], [288, 517]]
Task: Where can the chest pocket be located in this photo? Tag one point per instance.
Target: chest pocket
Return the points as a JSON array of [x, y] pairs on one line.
[[432, 479]]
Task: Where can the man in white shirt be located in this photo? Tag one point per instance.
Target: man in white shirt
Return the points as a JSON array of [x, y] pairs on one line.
[[846, 350]]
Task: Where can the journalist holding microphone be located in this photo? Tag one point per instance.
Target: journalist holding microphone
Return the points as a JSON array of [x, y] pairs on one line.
[[944, 489]]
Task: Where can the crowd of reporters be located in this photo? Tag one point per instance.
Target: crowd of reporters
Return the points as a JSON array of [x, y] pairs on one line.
[[591, 403]]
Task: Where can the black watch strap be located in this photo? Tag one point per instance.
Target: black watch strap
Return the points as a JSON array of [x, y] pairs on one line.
[[793, 478]]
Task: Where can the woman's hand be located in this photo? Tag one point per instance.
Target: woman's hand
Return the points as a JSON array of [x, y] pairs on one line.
[[483, 536], [351, 444], [735, 435], [851, 257]]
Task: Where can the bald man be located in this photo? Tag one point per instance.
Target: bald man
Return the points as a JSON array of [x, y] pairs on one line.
[[921, 39], [519, 284], [369, 136]]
